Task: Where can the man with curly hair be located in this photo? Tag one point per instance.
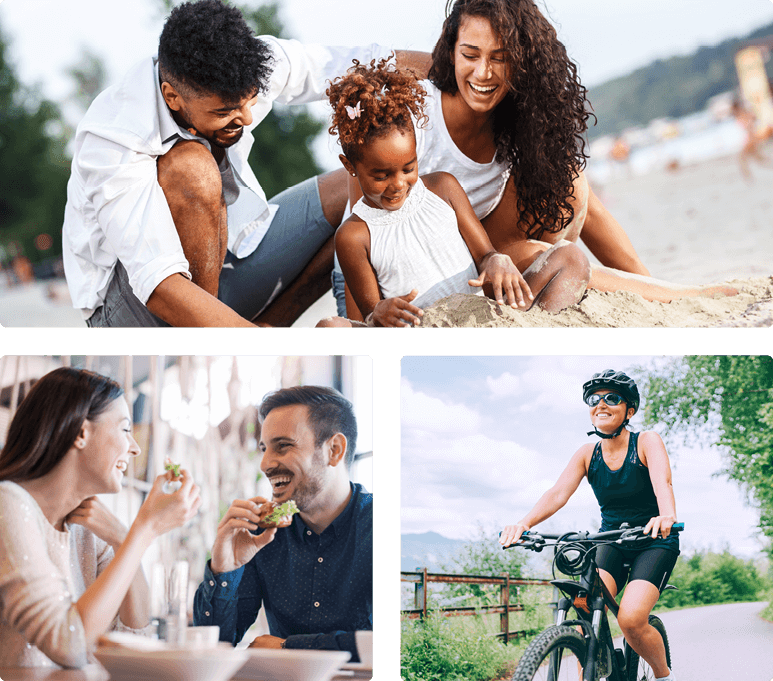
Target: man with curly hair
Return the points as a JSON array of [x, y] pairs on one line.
[[166, 223]]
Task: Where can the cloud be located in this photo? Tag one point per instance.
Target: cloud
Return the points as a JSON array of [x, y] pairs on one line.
[[432, 415], [505, 385]]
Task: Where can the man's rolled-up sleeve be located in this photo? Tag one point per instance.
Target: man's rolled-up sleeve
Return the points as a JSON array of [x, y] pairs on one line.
[[135, 222]]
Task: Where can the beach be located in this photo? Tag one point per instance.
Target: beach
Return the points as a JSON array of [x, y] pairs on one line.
[[696, 224], [753, 306]]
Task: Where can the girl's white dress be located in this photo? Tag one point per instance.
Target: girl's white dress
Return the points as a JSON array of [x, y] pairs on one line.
[[418, 246]]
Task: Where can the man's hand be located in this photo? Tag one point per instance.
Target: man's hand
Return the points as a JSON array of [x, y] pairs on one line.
[[234, 544], [267, 641]]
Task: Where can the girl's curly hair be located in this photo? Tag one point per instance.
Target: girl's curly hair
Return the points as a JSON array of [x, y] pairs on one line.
[[387, 98], [539, 125], [206, 47]]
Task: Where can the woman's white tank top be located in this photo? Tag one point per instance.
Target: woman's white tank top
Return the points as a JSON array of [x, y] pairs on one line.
[[484, 183], [418, 246]]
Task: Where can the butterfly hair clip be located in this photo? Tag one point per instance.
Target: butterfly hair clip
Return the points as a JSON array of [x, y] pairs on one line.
[[382, 92], [354, 111]]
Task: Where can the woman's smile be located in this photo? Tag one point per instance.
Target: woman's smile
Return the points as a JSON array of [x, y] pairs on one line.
[[482, 89]]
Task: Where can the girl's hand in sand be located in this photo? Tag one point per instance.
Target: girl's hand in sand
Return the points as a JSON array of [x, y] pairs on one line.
[[498, 270], [397, 311]]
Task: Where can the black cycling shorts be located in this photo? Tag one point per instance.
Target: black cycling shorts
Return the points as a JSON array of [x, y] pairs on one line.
[[625, 565]]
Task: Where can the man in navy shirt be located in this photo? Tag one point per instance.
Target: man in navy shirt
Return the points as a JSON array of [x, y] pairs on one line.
[[314, 578]]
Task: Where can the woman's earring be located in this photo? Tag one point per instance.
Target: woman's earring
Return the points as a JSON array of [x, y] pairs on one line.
[[354, 174]]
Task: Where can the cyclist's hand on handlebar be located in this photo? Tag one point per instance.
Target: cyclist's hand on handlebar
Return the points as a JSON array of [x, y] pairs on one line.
[[512, 533], [659, 526]]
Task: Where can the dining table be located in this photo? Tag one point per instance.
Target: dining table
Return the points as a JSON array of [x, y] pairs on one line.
[[95, 672]]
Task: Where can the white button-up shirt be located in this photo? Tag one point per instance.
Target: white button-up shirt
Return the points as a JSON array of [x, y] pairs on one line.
[[116, 210]]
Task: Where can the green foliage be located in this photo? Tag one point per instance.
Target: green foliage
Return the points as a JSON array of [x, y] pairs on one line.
[[484, 556], [33, 167], [437, 650], [281, 155], [467, 647], [722, 400], [707, 578]]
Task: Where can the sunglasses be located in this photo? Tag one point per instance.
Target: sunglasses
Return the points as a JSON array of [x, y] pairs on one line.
[[612, 399]]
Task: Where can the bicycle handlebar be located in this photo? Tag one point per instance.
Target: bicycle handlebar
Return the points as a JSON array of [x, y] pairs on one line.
[[535, 541]]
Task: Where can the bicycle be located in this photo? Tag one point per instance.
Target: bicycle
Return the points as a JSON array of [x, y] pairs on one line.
[[586, 639]]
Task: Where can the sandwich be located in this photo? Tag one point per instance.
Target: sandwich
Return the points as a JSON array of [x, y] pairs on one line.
[[274, 514]]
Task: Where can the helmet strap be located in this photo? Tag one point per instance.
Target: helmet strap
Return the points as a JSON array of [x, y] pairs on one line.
[[608, 436]]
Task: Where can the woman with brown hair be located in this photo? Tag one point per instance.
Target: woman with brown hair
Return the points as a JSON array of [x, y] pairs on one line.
[[507, 117], [69, 570]]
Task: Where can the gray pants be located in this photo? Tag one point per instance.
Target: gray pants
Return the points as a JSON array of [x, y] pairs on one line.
[[298, 231]]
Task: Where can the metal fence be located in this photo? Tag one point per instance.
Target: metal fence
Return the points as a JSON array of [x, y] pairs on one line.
[[421, 580]]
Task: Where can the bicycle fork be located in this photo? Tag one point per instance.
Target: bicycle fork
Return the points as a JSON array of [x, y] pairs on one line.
[[597, 610], [598, 639]]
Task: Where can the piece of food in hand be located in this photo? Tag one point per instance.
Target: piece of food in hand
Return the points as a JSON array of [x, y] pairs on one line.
[[273, 514], [171, 486], [174, 467]]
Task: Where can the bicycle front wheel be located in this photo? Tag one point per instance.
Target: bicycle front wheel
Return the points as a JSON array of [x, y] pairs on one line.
[[556, 654], [637, 669]]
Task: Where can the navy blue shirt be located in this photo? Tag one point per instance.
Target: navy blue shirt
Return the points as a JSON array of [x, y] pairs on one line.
[[317, 589]]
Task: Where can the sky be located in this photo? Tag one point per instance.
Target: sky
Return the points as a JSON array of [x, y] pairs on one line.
[[484, 437], [607, 38]]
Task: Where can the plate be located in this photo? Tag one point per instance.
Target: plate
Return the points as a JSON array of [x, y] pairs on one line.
[[179, 664], [268, 664]]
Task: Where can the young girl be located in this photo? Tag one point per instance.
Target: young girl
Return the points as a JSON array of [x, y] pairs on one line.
[[411, 241]]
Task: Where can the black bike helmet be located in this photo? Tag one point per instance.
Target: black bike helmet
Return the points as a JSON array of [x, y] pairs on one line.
[[618, 382]]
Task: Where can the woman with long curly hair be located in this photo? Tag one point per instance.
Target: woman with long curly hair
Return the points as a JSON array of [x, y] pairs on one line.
[[510, 98], [508, 114]]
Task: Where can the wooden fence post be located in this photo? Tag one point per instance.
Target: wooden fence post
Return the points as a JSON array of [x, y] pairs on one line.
[[504, 600]]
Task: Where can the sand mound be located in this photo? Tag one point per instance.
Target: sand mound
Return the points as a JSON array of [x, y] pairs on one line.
[[753, 306]]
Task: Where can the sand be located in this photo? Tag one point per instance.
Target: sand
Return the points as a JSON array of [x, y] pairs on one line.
[[753, 306], [700, 224]]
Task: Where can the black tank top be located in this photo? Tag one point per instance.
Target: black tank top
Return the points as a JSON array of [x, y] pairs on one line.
[[626, 495]]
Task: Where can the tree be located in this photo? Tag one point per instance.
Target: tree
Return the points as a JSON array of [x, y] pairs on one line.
[[725, 401], [33, 169]]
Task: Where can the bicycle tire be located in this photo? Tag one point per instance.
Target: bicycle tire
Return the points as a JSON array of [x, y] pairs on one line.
[[638, 669], [536, 665]]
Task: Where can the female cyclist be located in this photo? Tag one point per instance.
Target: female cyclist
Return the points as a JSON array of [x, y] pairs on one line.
[[630, 475]]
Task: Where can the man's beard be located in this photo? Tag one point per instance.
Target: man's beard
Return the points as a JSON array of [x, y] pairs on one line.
[[183, 122]]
